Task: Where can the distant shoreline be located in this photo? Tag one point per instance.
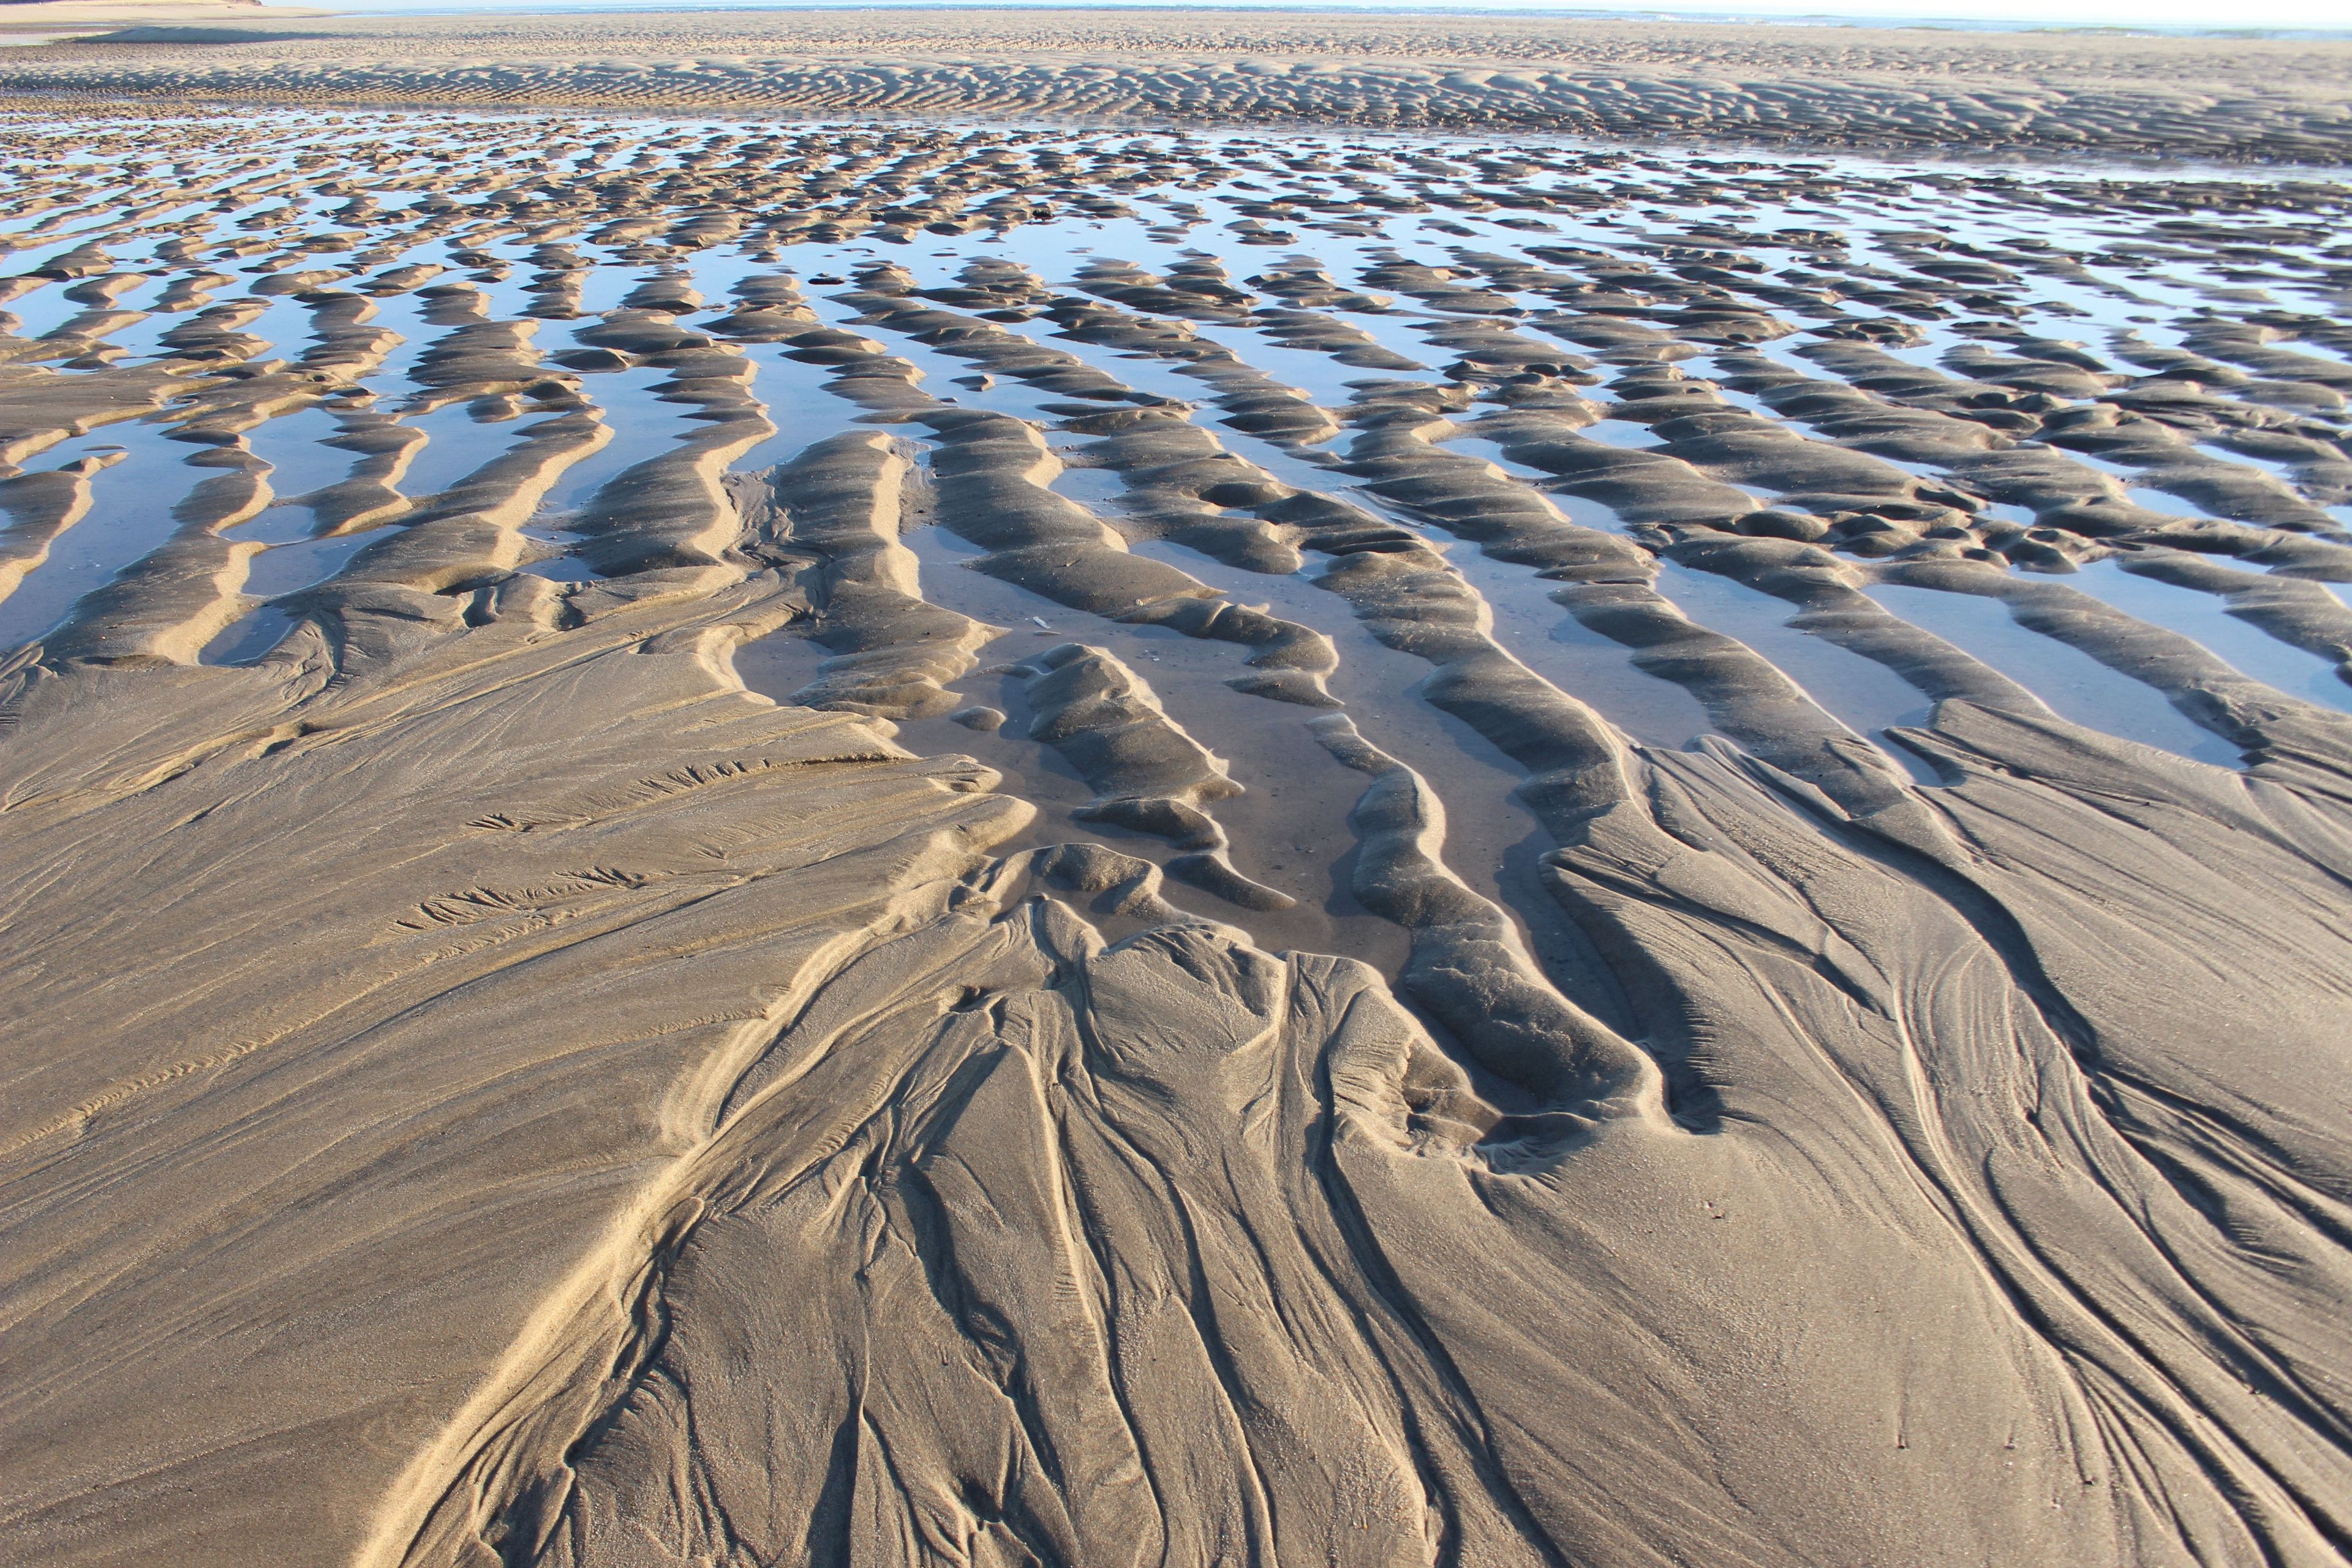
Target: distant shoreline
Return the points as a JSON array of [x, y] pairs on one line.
[[1534, 10]]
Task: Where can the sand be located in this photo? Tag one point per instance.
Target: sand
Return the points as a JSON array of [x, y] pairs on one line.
[[2178, 97], [32, 22], [831, 842]]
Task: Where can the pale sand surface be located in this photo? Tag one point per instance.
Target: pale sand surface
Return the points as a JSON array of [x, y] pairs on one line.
[[24, 22], [777, 843], [2171, 95]]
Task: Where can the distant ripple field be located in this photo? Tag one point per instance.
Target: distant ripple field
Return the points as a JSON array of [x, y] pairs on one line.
[[2210, 98]]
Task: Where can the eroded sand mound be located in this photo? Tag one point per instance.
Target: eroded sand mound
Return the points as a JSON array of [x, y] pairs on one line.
[[818, 845], [2208, 98]]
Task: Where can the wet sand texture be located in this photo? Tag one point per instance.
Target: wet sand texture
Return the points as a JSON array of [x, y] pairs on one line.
[[838, 845], [2204, 98]]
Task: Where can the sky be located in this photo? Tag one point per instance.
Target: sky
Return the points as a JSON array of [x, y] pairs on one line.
[[2329, 15]]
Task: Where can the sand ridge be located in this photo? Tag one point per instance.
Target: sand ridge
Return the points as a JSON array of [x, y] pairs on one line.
[[2200, 98], [845, 843]]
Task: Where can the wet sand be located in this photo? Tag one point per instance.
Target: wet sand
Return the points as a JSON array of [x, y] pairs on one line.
[[2275, 100], [827, 843]]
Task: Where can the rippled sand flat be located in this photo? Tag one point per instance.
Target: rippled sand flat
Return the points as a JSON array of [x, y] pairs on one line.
[[2237, 99], [751, 842]]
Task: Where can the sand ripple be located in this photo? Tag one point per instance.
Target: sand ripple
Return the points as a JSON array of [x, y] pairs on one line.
[[831, 844], [2175, 97]]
